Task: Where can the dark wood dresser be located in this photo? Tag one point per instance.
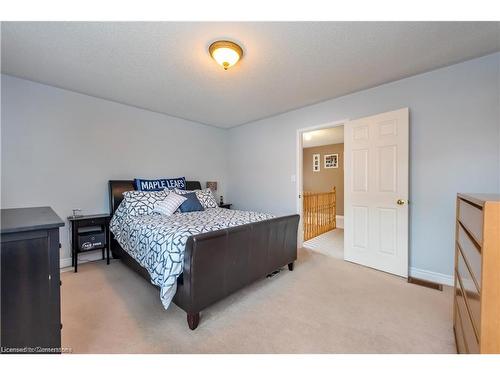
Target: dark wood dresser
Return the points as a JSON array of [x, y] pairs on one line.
[[30, 305]]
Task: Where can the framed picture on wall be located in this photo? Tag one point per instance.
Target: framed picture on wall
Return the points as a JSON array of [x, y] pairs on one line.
[[316, 162], [332, 161]]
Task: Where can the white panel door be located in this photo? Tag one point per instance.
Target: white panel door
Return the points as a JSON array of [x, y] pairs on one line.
[[376, 191]]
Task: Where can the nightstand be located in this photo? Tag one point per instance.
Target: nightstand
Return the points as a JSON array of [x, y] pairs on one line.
[[88, 233], [225, 205]]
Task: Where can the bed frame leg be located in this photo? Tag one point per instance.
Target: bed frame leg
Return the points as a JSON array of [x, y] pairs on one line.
[[290, 266], [193, 320]]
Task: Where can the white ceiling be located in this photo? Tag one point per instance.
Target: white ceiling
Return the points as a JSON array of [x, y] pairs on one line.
[[323, 137], [165, 66]]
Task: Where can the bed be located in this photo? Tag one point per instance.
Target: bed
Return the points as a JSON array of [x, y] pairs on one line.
[[222, 251]]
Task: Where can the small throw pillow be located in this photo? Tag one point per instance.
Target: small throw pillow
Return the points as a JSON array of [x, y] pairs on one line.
[[205, 197], [191, 203], [169, 205]]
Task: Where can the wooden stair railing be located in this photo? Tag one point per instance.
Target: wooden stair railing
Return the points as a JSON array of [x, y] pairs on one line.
[[319, 213]]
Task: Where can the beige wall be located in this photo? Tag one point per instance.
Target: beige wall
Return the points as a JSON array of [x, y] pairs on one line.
[[325, 179]]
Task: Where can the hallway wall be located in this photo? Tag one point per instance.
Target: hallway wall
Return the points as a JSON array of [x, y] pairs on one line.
[[326, 178]]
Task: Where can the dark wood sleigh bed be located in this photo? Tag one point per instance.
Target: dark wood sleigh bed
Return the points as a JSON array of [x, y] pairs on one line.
[[221, 262]]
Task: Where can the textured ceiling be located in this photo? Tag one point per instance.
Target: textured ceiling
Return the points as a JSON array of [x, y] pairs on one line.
[[165, 66], [323, 137]]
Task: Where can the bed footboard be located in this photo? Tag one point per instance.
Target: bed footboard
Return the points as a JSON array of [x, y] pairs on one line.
[[219, 263]]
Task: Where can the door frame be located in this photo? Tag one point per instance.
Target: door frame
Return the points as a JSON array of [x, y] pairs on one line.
[[298, 170]]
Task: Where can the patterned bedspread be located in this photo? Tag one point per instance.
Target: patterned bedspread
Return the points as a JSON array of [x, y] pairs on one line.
[[157, 242]]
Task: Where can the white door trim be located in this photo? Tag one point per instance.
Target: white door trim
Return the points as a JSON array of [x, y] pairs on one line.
[[298, 169]]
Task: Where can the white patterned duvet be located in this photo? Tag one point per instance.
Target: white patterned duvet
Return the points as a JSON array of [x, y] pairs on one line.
[[157, 242]]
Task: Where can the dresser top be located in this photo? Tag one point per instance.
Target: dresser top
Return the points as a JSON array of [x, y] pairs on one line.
[[30, 218], [479, 198]]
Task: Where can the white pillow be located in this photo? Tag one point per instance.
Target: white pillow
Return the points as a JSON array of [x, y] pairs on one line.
[[169, 205]]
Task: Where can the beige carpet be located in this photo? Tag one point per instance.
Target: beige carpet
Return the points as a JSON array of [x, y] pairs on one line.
[[325, 306], [329, 243]]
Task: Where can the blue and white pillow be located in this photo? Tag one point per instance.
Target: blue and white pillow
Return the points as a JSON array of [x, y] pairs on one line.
[[170, 204], [205, 197], [142, 202], [160, 184], [191, 204]]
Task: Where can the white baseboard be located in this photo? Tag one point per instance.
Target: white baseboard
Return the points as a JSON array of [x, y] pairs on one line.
[[82, 258], [340, 221], [436, 277]]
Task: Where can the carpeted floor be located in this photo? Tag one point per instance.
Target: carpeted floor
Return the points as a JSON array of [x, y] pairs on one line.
[[329, 243], [325, 305]]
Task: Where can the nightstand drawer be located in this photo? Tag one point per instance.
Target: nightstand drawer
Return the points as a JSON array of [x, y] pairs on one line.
[[90, 222]]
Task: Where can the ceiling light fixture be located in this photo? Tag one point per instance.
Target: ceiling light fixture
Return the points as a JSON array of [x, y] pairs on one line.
[[225, 53]]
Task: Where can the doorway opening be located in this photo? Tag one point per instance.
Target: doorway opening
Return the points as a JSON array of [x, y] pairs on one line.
[[321, 184], [375, 203]]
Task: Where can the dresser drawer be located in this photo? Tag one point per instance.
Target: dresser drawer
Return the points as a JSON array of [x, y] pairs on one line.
[[459, 333], [471, 294], [472, 218], [469, 334], [471, 254]]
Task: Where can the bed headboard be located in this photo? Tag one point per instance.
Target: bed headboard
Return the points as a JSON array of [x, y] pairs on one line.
[[118, 187]]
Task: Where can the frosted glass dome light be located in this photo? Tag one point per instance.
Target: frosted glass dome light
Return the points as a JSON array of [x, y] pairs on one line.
[[225, 53]]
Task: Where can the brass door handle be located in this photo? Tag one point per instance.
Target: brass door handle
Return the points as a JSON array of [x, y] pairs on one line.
[[401, 202]]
